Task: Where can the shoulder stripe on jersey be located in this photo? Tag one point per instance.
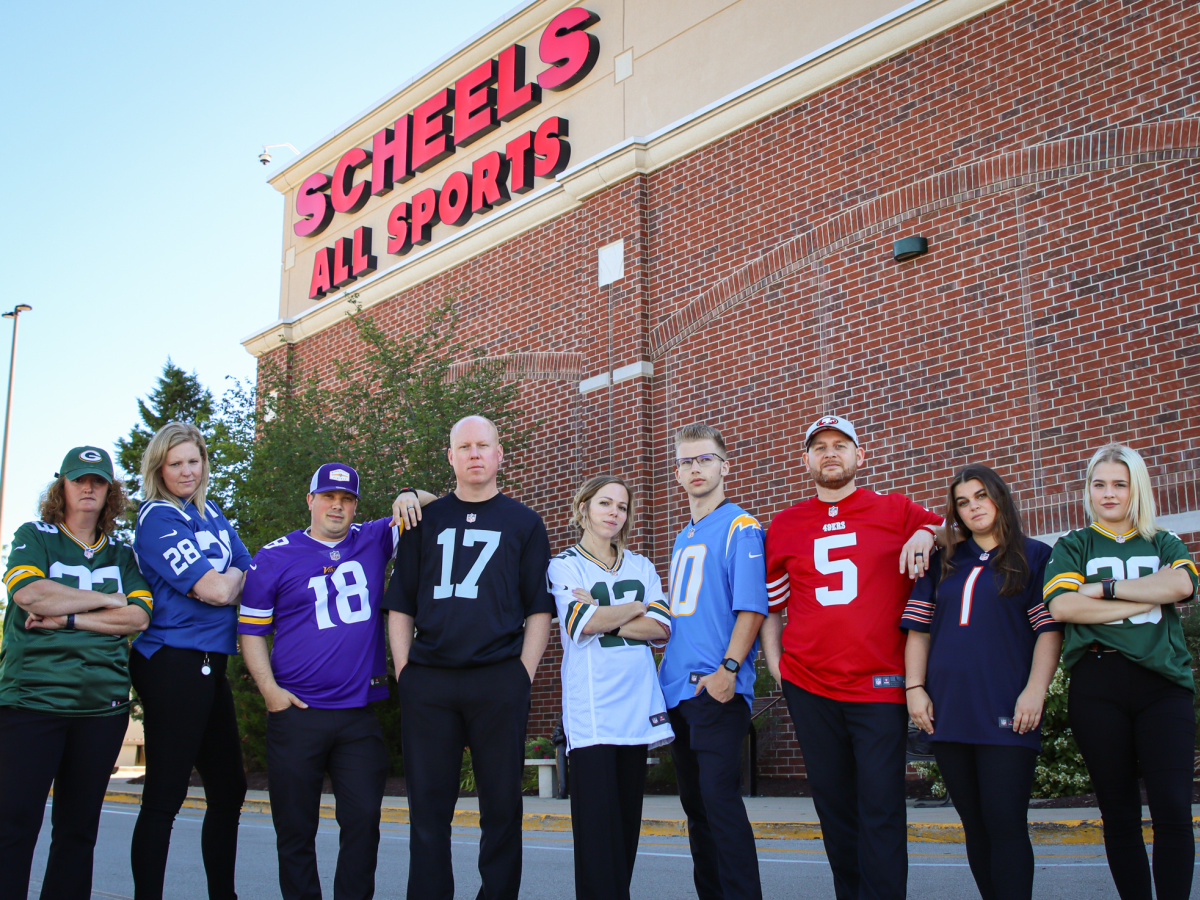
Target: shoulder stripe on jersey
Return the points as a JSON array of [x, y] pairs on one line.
[[255, 620], [1071, 580], [259, 613], [1185, 564], [742, 521], [18, 573], [155, 504]]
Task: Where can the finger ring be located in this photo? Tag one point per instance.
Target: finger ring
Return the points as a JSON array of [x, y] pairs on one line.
[[918, 553]]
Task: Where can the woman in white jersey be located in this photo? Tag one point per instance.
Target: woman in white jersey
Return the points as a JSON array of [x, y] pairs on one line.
[[1116, 584], [612, 610]]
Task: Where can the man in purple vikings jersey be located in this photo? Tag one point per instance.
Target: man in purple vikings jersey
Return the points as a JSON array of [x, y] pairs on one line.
[[318, 591]]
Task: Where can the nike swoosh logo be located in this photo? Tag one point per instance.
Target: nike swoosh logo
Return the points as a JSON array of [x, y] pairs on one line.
[[253, 566], [172, 534], [754, 555]]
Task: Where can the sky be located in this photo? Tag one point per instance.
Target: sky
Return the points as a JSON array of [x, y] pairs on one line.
[[140, 224]]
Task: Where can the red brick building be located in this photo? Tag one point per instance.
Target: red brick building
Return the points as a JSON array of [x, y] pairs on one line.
[[734, 264]]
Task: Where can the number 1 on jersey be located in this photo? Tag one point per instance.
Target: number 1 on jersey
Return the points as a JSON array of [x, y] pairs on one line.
[[468, 589]]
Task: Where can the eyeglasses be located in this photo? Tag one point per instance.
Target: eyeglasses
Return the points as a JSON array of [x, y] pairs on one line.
[[706, 460]]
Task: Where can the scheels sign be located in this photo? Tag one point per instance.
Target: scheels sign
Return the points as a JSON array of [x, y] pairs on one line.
[[454, 117]]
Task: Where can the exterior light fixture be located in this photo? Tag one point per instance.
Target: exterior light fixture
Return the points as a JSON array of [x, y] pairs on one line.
[[909, 248]]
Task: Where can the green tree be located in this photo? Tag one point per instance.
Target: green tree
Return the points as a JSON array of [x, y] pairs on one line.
[[387, 414], [178, 397]]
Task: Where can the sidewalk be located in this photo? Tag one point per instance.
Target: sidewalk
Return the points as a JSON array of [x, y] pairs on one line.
[[773, 818]]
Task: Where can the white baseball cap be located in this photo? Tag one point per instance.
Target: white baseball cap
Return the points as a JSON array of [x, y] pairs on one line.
[[831, 423]]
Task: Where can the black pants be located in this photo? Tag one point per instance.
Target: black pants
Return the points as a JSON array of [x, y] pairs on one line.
[[189, 721], [302, 744], [854, 758], [443, 710], [990, 786], [76, 754], [1126, 717], [708, 768], [607, 783]]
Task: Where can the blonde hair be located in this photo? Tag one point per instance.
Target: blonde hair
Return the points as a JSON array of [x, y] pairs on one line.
[[1141, 494], [166, 439], [584, 496], [700, 432]]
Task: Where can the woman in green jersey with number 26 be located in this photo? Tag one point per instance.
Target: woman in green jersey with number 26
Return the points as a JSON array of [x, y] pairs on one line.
[[1116, 584], [64, 673]]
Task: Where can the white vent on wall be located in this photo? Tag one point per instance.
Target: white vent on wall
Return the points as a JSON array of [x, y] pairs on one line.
[[610, 263]]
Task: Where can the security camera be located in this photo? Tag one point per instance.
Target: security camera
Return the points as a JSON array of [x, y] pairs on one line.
[[264, 157]]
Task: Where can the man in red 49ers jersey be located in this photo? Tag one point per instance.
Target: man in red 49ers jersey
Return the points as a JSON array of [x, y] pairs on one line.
[[839, 564]]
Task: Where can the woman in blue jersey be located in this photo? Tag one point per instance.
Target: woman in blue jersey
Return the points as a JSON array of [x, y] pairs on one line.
[[195, 563], [64, 674], [1116, 583], [611, 610], [981, 652]]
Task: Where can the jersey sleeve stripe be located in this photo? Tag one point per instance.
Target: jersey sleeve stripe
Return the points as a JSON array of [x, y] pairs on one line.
[[575, 616], [1039, 616], [1067, 581], [659, 607], [772, 585], [259, 613], [256, 620], [144, 596], [782, 589], [18, 573], [780, 601], [1185, 564]]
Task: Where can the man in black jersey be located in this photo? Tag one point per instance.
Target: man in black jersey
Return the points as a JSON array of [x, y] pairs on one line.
[[471, 579]]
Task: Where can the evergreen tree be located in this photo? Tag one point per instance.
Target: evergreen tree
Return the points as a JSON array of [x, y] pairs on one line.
[[178, 397]]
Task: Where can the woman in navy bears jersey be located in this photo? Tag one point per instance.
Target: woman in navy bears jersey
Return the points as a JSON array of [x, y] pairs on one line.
[[1116, 583], [981, 652], [194, 562], [611, 610], [64, 673]]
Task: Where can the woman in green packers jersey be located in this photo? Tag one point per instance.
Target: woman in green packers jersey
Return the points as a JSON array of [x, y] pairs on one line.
[[1116, 583], [64, 673]]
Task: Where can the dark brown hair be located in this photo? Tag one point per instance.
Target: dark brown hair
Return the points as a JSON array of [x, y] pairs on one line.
[[53, 509], [1010, 537]]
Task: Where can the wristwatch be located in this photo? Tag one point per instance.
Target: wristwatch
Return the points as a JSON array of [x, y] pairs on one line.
[[730, 665]]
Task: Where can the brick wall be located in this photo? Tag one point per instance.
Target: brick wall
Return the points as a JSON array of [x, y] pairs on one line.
[[1049, 152]]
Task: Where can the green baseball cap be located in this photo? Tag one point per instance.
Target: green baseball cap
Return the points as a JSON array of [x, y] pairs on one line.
[[86, 461]]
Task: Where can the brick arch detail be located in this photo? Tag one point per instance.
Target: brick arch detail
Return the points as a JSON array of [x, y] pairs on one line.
[[1040, 163]]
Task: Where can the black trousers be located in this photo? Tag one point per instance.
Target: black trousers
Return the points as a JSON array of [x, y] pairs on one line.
[[76, 754], [189, 721], [485, 709], [854, 757], [607, 784], [1127, 718], [990, 786], [708, 768], [302, 744]]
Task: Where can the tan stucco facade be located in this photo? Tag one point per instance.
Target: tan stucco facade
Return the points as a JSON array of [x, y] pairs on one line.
[[672, 76]]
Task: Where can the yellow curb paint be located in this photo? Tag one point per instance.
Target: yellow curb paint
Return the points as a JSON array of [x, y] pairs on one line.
[[1069, 831]]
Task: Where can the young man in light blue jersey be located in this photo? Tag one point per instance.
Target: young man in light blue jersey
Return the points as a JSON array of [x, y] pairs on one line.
[[718, 601]]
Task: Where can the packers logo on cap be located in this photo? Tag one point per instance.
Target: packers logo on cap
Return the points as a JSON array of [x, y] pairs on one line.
[[92, 456]]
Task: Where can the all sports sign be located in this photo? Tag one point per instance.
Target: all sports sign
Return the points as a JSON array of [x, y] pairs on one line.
[[498, 90]]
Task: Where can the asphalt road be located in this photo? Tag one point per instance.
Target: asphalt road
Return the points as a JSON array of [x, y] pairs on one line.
[[790, 869]]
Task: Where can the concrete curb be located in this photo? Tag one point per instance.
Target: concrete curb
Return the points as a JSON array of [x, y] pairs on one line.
[[1067, 831]]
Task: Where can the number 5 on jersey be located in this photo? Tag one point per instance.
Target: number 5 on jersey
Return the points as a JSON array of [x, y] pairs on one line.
[[848, 590]]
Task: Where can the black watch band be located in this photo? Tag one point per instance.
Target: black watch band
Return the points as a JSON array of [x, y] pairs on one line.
[[1109, 586], [729, 664], [407, 490]]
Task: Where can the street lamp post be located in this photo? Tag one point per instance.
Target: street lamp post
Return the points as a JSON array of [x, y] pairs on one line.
[[13, 314]]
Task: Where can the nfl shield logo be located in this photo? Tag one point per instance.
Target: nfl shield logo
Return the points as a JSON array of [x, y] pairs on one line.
[[833, 510], [335, 554], [470, 517]]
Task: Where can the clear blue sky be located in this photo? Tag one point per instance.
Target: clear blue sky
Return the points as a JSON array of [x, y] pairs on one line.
[[139, 223]]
